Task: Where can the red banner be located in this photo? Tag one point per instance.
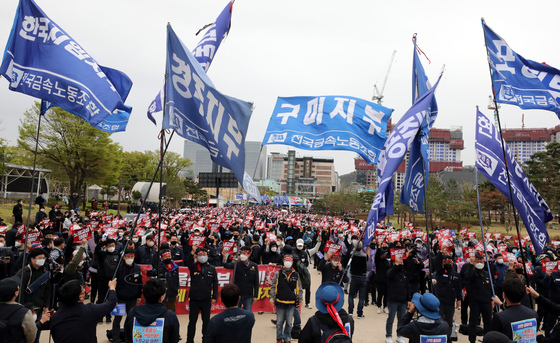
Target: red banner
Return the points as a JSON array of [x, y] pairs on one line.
[[398, 253], [80, 233], [3, 230], [335, 248], [469, 252], [266, 273], [34, 237], [551, 266], [197, 240]]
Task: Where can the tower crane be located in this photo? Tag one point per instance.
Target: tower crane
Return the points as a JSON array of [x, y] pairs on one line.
[[377, 93]]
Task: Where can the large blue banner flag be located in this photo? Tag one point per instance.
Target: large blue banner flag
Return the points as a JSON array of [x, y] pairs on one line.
[[518, 81], [201, 114], [531, 206], [43, 61], [204, 51], [391, 156], [329, 123], [418, 169]]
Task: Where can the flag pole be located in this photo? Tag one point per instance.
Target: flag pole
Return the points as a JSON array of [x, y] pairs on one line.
[[31, 197], [482, 232], [244, 217], [497, 112], [430, 251]]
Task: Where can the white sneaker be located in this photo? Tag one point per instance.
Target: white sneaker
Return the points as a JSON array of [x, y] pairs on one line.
[[378, 310], [400, 339], [308, 306], [388, 340], [386, 310]]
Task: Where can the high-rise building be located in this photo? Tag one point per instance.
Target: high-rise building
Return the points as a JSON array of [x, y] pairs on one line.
[[201, 162], [525, 142], [307, 176]]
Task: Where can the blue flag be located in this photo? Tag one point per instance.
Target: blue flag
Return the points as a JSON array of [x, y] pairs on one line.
[[393, 153], [204, 52], [532, 208], [329, 123], [43, 61], [418, 169], [517, 81], [203, 115]]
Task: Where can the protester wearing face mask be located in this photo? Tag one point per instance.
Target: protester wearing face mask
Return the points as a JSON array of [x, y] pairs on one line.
[[169, 270], [271, 255], [107, 259], [304, 255], [501, 269], [331, 269], [41, 297], [285, 294], [204, 290], [176, 250], [147, 253], [382, 265], [479, 288], [447, 287], [129, 289], [246, 278], [5, 259]]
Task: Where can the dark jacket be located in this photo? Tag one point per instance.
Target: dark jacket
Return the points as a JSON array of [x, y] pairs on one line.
[[323, 322], [171, 276], [42, 296], [147, 255], [78, 323], [448, 287], [233, 325], [478, 284], [501, 321], [204, 280], [554, 309], [286, 288], [16, 330], [146, 314], [107, 262], [328, 273], [381, 267], [398, 287], [246, 278], [413, 329], [126, 290]]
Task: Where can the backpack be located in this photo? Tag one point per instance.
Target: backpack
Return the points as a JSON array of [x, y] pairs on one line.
[[4, 327], [304, 275], [331, 334]]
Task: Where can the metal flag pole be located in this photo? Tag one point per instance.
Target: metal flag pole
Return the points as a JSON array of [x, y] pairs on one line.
[[31, 198], [243, 222], [482, 232], [430, 250], [497, 112]]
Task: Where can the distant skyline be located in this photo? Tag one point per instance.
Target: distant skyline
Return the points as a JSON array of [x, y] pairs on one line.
[[309, 48]]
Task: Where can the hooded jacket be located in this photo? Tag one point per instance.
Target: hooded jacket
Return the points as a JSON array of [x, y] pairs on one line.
[[312, 333], [146, 314]]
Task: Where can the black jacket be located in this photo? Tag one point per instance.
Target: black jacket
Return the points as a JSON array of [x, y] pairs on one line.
[[478, 284], [204, 280], [107, 262], [501, 321], [147, 255], [246, 278], [42, 296], [398, 287], [146, 314], [413, 329], [448, 287], [126, 290], [328, 273], [78, 323], [233, 325], [554, 309], [312, 333], [172, 279]]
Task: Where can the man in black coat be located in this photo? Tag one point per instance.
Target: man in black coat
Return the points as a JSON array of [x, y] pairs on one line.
[[17, 211], [246, 278], [479, 289], [429, 322], [76, 321], [447, 287], [398, 296]]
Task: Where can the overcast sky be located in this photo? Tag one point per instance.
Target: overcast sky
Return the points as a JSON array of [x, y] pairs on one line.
[[304, 48]]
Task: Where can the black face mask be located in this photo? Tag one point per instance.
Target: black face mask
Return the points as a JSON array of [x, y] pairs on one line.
[[519, 270], [65, 235], [173, 243], [167, 261], [448, 267]]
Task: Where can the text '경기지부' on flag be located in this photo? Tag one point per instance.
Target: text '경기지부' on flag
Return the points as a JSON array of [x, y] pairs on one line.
[[329, 123], [518, 81], [44, 61], [392, 155], [531, 206], [203, 115]]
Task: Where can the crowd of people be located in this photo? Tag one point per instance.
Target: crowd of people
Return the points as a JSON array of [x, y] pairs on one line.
[[68, 271]]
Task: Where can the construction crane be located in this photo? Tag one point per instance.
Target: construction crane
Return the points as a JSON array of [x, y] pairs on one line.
[[377, 93]]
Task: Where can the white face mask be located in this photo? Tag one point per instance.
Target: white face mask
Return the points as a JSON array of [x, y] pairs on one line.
[[129, 261], [150, 244], [479, 265], [135, 240], [500, 261], [111, 249], [299, 246], [202, 259], [34, 317], [274, 249], [288, 264], [40, 262], [243, 257], [2, 245], [340, 235], [355, 242], [17, 244]]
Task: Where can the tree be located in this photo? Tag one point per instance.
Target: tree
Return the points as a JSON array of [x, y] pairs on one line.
[[3, 156], [71, 147], [136, 195], [137, 167], [543, 170], [109, 191]]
